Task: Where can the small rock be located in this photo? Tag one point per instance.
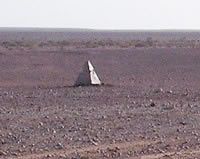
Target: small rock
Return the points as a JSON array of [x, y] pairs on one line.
[[49, 155], [59, 146], [111, 149], [2, 141], [5, 93], [2, 153], [10, 134], [183, 123], [62, 156], [14, 154], [46, 117], [152, 104], [54, 131], [170, 91], [160, 90], [62, 126], [93, 142]]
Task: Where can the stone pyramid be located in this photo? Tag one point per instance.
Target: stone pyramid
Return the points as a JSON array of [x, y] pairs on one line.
[[88, 76]]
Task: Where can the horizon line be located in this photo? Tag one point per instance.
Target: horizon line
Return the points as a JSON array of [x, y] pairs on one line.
[[97, 29]]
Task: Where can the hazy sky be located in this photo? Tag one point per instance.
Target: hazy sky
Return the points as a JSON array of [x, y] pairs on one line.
[[101, 14]]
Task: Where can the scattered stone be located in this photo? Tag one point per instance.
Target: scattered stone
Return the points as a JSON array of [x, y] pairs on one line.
[[62, 156], [5, 93], [59, 146], [54, 131], [2, 153], [183, 123], [94, 142], [170, 91], [49, 155], [160, 90], [14, 153], [111, 149], [152, 104]]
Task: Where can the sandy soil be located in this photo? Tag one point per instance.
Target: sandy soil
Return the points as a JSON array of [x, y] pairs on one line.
[[148, 108]]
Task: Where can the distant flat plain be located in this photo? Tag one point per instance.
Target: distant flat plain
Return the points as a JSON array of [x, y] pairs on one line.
[[148, 108], [43, 34]]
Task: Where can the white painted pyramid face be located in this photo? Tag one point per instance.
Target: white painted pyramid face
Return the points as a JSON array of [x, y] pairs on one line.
[[93, 76], [88, 76]]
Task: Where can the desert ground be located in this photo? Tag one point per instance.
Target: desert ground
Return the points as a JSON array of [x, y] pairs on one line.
[[148, 107]]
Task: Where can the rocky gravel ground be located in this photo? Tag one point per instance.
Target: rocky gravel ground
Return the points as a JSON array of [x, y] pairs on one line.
[[44, 120], [148, 108]]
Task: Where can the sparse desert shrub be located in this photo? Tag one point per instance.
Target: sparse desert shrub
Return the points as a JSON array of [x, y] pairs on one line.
[[91, 44], [140, 44], [8, 44], [149, 41], [124, 44], [110, 43], [101, 43]]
